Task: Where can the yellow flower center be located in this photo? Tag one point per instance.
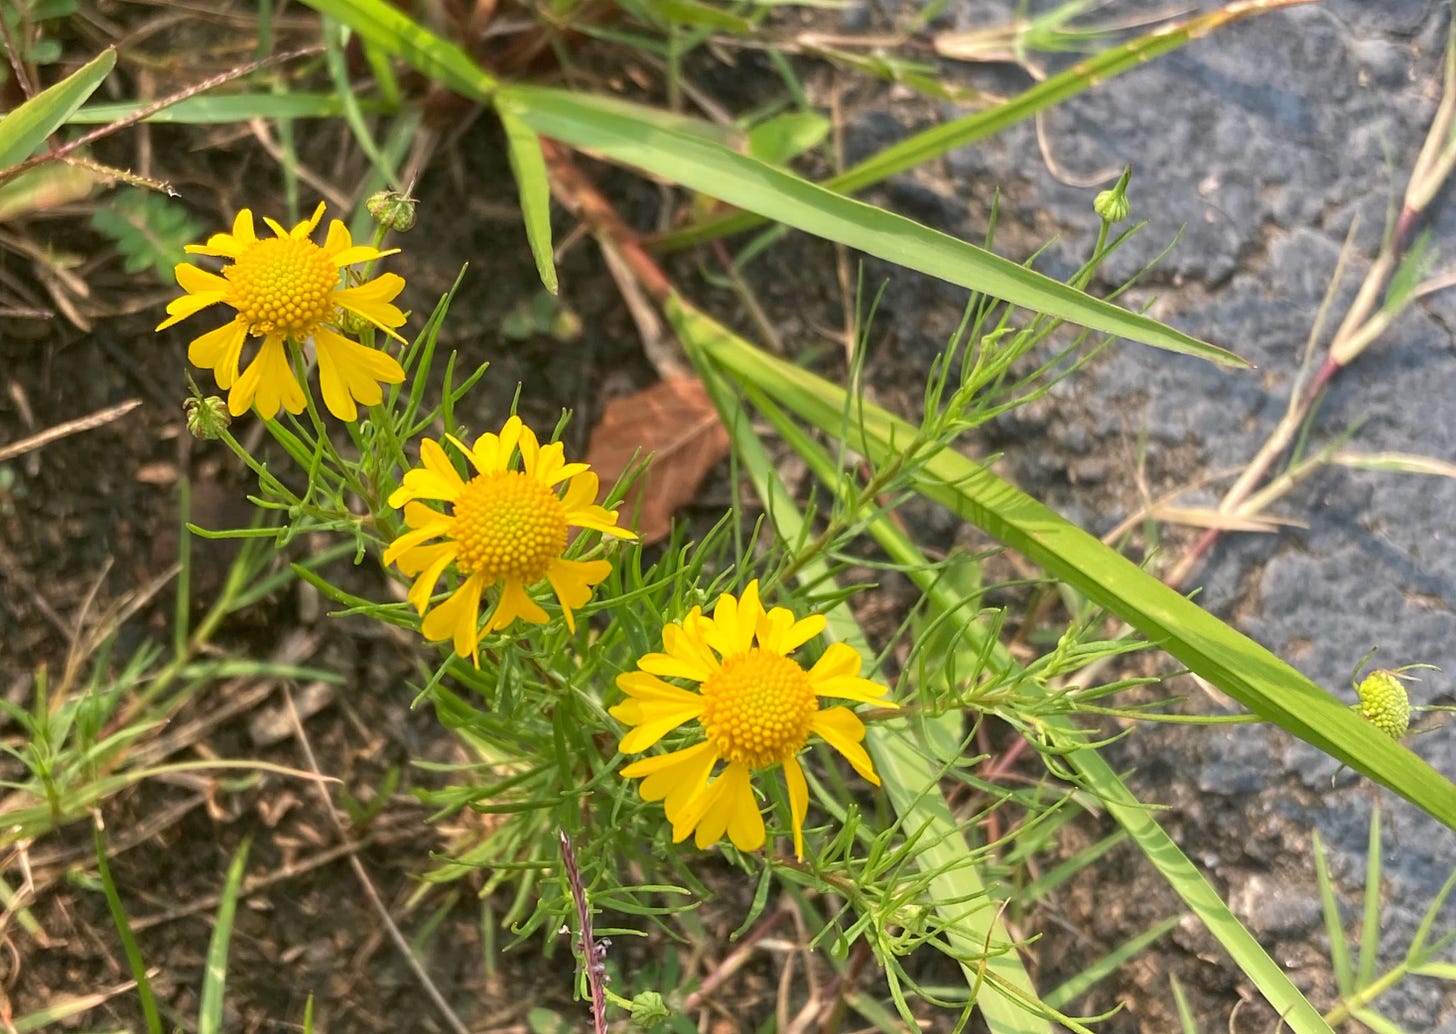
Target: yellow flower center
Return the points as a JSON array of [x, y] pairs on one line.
[[757, 708], [283, 285], [508, 525]]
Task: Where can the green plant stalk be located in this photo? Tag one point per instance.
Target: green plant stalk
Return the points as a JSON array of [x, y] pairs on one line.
[[982, 944]]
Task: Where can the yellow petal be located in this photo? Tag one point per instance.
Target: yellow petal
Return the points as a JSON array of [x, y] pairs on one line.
[[836, 674], [268, 383], [798, 802], [219, 351], [372, 301], [572, 581], [350, 372], [685, 655], [458, 618], [842, 730], [430, 562], [674, 778], [779, 632], [514, 603]]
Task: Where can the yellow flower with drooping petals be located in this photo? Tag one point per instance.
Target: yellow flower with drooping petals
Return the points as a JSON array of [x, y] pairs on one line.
[[285, 289], [756, 708], [504, 526]]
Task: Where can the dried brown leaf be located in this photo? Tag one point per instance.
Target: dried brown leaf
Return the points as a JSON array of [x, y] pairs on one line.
[[674, 425]]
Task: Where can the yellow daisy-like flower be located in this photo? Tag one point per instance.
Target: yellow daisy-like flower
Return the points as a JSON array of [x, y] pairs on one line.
[[756, 708], [503, 526], [285, 290]]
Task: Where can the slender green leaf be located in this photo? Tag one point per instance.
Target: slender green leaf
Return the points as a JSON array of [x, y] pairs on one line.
[[214, 980], [719, 172], [27, 126], [529, 166], [939, 140], [219, 109], [1370, 920], [134, 960], [1230, 660], [389, 29], [1340, 962]]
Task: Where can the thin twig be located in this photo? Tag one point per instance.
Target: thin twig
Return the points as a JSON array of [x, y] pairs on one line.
[[51, 434]]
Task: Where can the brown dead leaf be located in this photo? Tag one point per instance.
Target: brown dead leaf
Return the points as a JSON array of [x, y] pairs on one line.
[[674, 423]]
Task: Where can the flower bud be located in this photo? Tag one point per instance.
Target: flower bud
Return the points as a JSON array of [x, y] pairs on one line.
[[206, 418], [1112, 205], [1384, 703], [392, 209]]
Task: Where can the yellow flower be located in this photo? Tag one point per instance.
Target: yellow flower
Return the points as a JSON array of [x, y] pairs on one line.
[[504, 525], [756, 708], [285, 289]]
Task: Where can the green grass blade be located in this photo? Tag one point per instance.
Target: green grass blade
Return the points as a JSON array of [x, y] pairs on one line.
[[1185, 1012], [1230, 660], [1370, 921], [389, 29], [128, 941], [27, 126], [939, 140], [214, 980], [226, 108], [633, 138], [529, 166], [1334, 926]]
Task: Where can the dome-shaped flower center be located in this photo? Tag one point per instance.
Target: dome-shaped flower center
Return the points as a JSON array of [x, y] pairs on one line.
[[508, 525], [283, 285], [757, 708]]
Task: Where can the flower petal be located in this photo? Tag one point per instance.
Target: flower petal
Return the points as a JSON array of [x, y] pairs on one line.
[[572, 581], [458, 618], [779, 632], [841, 729], [268, 383], [373, 299], [654, 708], [514, 603], [429, 562], [798, 802], [836, 674], [726, 805], [350, 372], [219, 351], [734, 621], [673, 778]]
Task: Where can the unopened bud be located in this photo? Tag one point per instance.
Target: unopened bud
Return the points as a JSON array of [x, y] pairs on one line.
[[392, 209], [206, 418], [1112, 205]]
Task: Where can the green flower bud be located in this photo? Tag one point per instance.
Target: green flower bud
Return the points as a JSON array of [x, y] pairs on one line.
[[206, 418], [1112, 205], [1384, 703], [391, 209]]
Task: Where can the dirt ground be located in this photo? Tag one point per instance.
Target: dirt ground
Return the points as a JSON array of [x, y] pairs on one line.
[[91, 517]]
